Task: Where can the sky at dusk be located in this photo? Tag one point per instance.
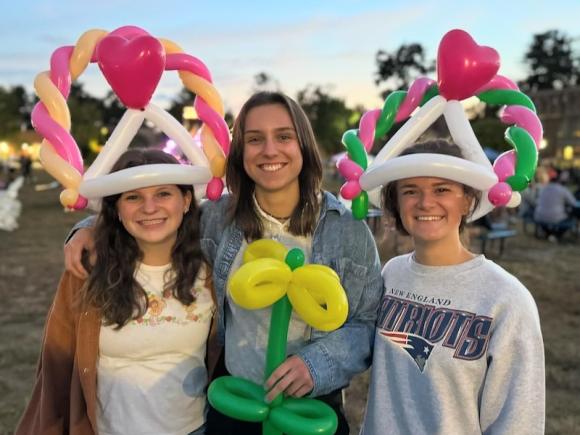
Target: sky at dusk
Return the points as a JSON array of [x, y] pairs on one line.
[[298, 43]]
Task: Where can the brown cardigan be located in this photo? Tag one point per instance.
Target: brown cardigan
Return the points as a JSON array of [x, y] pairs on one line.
[[64, 396], [65, 392]]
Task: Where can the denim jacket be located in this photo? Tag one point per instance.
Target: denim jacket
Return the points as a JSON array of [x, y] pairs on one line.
[[340, 242]]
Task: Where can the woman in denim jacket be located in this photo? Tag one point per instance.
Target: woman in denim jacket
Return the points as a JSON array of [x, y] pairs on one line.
[[274, 175]]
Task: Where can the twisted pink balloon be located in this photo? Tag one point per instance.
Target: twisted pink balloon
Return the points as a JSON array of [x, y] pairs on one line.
[[351, 172], [497, 82], [218, 126]]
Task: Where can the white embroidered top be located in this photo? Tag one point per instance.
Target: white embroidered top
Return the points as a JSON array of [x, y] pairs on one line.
[[151, 374]]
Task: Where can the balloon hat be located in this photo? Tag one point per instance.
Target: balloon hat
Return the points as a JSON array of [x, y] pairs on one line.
[[132, 62], [464, 69]]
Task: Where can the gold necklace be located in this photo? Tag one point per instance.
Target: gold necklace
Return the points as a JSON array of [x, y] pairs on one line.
[[278, 218]]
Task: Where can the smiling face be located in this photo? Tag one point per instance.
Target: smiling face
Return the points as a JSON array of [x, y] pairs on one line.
[[431, 209], [152, 215], [272, 156]]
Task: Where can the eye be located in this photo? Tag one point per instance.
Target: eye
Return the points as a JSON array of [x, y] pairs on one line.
[[164, 193], [253, 140], [131, 197], [442, 189], [407, 192]]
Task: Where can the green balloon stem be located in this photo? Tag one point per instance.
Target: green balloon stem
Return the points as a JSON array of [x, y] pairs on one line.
[[269, 429], [277, 337]]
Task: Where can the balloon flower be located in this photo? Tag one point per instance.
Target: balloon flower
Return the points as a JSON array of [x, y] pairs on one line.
[[464, 69], [132, 61], [271, 275]]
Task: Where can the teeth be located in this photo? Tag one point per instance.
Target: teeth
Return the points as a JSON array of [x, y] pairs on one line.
[[428, 218], [152, 222], [272, 167]]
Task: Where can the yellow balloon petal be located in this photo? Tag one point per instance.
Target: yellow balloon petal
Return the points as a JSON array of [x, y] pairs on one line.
[[265, 248], [259, 283], [318, 297]]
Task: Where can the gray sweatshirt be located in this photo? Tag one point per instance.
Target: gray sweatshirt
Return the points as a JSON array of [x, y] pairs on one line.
[[458, 350]]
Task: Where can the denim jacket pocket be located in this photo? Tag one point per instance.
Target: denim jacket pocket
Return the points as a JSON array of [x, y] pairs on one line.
[[353, 278]]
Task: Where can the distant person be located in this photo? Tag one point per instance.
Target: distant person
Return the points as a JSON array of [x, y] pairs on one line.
[[123, 351], [458, 347], [531, 194], [26, 167], [552, 210]]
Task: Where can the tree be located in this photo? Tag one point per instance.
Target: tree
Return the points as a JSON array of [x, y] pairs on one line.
[[551, 62], [265, 82], [183, 99], [401, 67], [87, 115], [329, 116], [490, 133], [15, 108]]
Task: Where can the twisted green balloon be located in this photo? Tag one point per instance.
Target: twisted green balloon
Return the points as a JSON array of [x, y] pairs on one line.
[[518, 138]]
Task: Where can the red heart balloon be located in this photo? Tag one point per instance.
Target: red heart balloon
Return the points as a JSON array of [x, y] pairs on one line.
[[133, 67], [463, 66]]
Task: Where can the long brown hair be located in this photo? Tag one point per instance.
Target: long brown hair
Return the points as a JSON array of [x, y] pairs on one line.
[[434, 146], [243, 212], [111, 286]]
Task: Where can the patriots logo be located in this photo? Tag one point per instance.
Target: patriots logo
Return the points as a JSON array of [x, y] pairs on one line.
[[416, 346]]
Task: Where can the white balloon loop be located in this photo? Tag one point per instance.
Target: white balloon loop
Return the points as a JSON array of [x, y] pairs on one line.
[[138, 177], [117, 144], [172, 128]]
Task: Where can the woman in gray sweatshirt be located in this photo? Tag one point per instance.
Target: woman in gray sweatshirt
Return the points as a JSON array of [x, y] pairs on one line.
[[458, 347]]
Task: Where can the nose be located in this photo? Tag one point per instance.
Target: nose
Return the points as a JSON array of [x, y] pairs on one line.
[[270, 147], [149, 205], [426, 200]]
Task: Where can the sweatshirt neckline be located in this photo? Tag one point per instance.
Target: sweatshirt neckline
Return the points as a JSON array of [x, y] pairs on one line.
[[423, 269]]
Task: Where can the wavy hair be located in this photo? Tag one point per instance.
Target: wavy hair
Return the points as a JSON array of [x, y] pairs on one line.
[[434, 146], [111, 286], [242, 211]]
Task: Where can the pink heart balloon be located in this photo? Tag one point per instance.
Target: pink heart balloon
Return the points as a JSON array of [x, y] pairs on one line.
[[463, 66], [133, 67]]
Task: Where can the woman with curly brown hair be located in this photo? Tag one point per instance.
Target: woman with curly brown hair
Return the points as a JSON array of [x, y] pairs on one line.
[[124, 350]]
